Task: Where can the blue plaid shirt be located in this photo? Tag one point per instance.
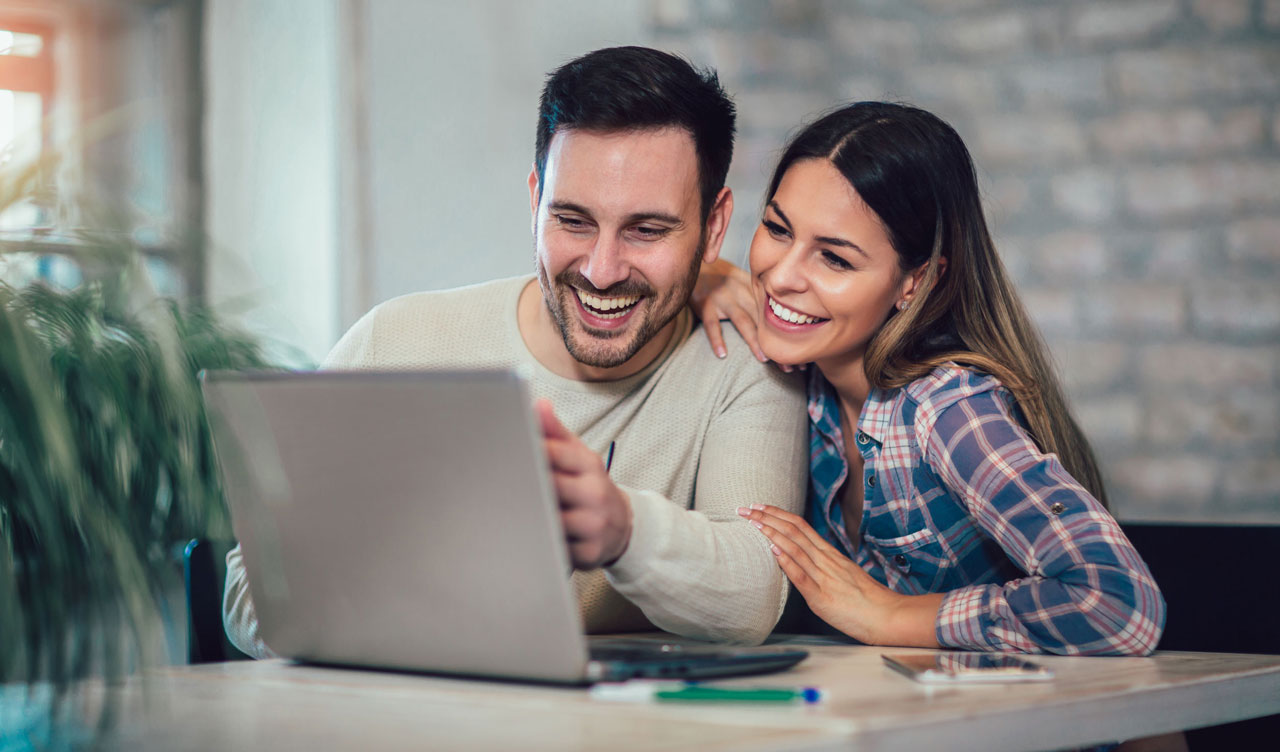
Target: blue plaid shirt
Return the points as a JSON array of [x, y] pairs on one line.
[[959, 500]]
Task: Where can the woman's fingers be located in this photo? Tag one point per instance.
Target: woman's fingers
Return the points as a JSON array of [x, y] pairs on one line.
[[711, 324], [783, 517]]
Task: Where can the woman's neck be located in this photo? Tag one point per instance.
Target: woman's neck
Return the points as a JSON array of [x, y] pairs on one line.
[[848, 378]]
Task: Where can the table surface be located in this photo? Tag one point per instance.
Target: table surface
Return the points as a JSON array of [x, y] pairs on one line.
[[282, 705]]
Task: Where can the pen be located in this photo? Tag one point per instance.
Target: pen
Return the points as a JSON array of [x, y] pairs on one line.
[[643, 691], [608, 461]]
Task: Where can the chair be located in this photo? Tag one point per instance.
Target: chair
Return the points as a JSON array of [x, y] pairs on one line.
[[203, 570], [1219, 584]]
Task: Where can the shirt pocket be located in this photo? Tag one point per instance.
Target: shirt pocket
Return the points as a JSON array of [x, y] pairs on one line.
[[912, 562]]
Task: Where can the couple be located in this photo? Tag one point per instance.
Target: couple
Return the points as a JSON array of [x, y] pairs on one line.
[[951, 502]]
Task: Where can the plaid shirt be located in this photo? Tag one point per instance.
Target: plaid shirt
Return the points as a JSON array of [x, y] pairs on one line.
[[959, 500]]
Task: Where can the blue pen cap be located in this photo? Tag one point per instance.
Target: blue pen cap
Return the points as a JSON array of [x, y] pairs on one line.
[[811, 694]]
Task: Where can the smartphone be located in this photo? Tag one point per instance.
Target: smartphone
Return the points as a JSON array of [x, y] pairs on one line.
[[947, 668]]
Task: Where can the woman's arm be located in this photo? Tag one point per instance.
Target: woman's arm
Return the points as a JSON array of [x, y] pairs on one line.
[[838, 590], [1086, 592], [723, 291]]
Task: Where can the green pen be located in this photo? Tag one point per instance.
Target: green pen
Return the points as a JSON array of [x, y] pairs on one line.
[[640, 691]]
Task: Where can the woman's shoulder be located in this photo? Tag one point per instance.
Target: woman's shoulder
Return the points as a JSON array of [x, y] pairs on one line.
[[948, 385]]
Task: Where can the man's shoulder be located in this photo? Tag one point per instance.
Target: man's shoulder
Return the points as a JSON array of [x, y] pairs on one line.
[[738, 370], [480, 295]]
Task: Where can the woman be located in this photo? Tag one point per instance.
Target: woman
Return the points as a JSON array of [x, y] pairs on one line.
[[953, 501]]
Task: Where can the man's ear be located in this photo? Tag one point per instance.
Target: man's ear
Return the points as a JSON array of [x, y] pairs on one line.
[[718, 224], [534, 195]]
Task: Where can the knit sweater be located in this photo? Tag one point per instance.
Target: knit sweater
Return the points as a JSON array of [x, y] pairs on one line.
[[695, 438]]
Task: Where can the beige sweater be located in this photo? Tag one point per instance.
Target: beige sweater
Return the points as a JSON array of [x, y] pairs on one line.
[[696, 437]]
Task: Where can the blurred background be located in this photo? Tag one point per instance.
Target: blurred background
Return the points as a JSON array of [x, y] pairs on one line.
[[295, 162]]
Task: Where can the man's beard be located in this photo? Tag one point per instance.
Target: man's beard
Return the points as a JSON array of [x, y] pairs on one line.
[[611, 348]]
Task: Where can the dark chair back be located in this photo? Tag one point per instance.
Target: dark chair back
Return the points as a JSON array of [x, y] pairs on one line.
[[1219, 584], [203, 572]]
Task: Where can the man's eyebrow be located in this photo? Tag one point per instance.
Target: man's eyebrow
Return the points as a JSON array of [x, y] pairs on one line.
[[649, 216], [825, 239]]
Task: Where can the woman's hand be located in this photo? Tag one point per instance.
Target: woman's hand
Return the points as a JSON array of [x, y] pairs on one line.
[[723, 291], [839, 591]]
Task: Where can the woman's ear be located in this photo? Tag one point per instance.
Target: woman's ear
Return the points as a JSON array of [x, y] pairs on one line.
[[912, 280]]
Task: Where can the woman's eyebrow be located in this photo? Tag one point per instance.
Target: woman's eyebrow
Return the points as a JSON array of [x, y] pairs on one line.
[[827, 239]]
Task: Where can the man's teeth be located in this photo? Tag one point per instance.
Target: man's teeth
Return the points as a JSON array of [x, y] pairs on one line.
[[786, 314], [600, 306]]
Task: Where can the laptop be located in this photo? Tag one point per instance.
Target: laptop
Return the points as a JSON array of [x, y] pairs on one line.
[[406, 521]]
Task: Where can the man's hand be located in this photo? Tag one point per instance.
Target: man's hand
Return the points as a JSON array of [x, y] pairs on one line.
[[596, 514]]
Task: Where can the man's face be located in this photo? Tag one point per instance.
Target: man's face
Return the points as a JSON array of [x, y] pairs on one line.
[[618, 237]]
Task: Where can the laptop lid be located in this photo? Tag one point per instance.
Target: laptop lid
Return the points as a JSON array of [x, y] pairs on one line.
[[398, 520]]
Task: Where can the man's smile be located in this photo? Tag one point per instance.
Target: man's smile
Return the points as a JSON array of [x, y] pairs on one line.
[[607, 307]]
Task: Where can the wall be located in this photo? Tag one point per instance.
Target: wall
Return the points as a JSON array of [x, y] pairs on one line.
[[272, 172], [451, 107], [1130, 156]]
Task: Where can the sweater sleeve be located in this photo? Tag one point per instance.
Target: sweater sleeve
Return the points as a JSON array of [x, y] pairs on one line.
[[1086, 589], [705, 572]]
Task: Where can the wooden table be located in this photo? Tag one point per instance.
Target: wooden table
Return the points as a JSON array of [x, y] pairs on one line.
[[281, 705]]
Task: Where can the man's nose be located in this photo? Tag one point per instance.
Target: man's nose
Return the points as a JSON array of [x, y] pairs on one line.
[[606, 265]]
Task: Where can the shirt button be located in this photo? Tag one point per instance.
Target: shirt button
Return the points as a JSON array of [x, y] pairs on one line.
[[871, 480], [1058, 508], [863, 438], [901, 562]]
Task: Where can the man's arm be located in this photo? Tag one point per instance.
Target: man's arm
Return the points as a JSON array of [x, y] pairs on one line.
[[701, 572], [707, 572]]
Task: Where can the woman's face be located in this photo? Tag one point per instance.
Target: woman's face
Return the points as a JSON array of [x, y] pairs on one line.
[[823, 271]]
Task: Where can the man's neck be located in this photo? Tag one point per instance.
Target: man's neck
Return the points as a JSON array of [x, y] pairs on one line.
[[541, 335]]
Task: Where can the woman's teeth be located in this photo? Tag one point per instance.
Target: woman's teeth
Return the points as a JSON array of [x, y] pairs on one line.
[[786, 314], [607, 308]]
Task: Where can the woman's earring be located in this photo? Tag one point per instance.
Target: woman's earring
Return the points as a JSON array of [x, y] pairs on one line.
[[902, 305]]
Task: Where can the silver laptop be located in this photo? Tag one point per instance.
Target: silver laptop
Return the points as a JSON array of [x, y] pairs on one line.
[[407, 521]]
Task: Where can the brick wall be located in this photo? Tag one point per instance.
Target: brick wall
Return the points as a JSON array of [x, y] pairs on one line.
[[1130, 156]]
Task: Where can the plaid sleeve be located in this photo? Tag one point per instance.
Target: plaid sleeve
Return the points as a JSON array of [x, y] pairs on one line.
[[1086, 590]]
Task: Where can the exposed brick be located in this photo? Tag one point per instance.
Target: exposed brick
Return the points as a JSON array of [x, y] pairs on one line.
[[777, 110], [1177, 255], [1250, 307], [1016, 255], [1255, 243], [1183, 131], [796, 14], [1189, 477], [1029, 139], [858, 88], [969, 89], [1053, 309], [1089, 195], [882, 42], [1222, 15], [1207, 366], [1004, 198], [1271, 14], [1111, 22], [1177, 421], [1238, 418], [1174, 74], [1252, 478], [1196, 189], [1109, 422], [1061, 83], [1072, 255], [669, 14], [991, 35], [1145, 308], [756, 57], [1092, 365]]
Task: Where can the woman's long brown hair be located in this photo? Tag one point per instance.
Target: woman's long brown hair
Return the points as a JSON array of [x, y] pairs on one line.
[[914, 172]]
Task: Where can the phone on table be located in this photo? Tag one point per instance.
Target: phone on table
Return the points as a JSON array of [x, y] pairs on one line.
[[949, 667]]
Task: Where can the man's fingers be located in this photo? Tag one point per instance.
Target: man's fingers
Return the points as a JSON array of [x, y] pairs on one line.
[[552, 428]]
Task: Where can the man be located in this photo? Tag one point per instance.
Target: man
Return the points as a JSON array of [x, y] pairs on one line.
[[628, 198]]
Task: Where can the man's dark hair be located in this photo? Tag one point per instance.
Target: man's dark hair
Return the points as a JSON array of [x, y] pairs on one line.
[[629, 88]]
